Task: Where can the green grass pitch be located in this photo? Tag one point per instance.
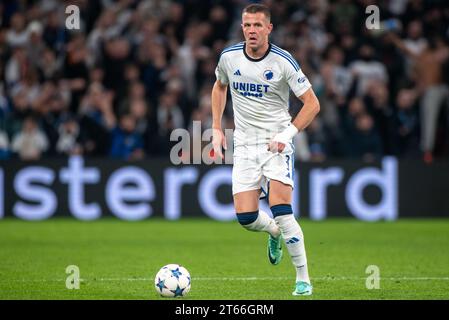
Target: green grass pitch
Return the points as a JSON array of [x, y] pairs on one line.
[[118, 260]]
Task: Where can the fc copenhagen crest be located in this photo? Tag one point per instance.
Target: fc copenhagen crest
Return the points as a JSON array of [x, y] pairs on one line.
[[268, 74]]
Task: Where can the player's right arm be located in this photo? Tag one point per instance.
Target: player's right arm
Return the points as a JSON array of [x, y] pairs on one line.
[[219, 92]]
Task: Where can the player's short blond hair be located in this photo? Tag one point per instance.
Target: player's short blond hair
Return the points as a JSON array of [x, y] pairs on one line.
[[257, 7]]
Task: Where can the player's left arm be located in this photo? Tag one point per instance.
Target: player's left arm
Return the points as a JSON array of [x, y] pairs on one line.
[[309, 110], [304, 117]]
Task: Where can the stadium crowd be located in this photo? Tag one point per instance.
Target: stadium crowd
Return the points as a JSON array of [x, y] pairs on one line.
[[138, 69]]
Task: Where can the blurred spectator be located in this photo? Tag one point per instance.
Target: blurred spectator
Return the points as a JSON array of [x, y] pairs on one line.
[[343, 16], [75, 69], [69, 137], [16, 66], [97, 105], [407, 123], [97, 119], [203, 113], [169, 114], [136, 91], [140, 112], [316, 138], [54, 34], [126, 142], [4, 103], [30, 142], [367, 69], [349, 114], [132, 73], [189, 55], [337, 77], [436, 92], [17, 36], [47, 64], [4, 145], [106, 28], [366, 143], [28, 87], [415, 42], [115, 61], [430, 81], [378, 105], [35, 44]]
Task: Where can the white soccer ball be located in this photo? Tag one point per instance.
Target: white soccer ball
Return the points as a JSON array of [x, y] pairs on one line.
[[172, 280]]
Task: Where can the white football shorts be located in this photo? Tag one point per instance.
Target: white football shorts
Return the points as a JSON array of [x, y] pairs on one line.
[[254, 166]]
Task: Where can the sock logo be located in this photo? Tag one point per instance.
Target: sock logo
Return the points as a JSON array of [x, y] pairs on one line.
[[292, 240]]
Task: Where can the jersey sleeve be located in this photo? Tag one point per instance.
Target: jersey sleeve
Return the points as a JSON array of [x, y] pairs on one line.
[[297, 80], [220, 71]]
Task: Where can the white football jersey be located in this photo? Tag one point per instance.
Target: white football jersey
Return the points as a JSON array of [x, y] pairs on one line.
[[260, 91]]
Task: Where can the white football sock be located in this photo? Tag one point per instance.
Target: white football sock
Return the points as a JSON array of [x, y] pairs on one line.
[[294, 240], [264, 223]]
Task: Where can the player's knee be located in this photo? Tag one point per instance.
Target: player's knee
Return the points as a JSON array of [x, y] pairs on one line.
[[279, 199], [246, 219]]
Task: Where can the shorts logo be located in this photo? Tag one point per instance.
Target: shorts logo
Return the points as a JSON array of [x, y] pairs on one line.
[[301, 79], [268, 74]]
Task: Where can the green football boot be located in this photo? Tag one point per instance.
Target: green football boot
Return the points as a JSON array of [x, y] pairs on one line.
[[302, 289], [274, 249]]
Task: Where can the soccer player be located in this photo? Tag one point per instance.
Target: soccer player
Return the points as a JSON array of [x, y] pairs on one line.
[[260, 76]]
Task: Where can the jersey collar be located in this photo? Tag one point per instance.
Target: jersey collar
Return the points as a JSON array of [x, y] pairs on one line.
[[258, 59]]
